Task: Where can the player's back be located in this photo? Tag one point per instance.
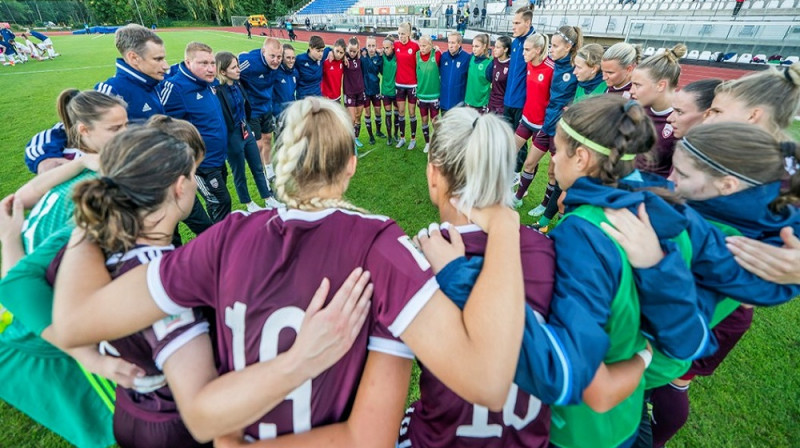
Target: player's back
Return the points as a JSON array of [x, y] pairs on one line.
[[260, 272], [442, 419]]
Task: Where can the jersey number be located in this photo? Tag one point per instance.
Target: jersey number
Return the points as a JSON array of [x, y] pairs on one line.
[[481, 428], [287, 317]]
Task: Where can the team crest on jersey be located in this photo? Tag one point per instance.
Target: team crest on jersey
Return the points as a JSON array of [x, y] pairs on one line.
[[410, 51], [199, 97], [505, 70], [667, 131], [541, 77], [214, 183], [458, 64], [566, 77], [146, 108]]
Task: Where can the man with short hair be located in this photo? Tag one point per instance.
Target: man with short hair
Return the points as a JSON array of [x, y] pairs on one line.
[[453, 71], [190, 94], [514, 100], [247, 27], [258, 76], [139, 71]]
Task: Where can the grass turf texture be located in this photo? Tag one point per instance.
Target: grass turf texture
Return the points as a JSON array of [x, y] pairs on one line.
[[751, 401]]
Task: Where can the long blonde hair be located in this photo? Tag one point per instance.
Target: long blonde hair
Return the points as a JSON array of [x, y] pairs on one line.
[[312, 152], [476, 154]]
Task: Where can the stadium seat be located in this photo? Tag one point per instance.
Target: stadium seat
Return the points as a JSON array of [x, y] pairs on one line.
[[661, 50], [694, 55], [758, 4], [704, 56], [649, 51], [732, 58], [762, 59], [792, 59], [745, 58]]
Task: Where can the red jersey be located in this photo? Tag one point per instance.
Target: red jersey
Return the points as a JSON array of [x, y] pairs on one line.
[[332, 73], [259, 273], [659, 159], [441, 419], [537, 84], [406, 55]]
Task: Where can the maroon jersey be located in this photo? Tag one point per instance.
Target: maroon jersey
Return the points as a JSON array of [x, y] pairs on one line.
[[499, 80], [149, 348], [624, 91], [353, 76], [442, 419], [659, 159], [259, 273]]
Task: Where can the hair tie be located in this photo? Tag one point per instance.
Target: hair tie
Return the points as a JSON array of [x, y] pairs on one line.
[[693, 150], [788, 75], [628, 105], [596, 147], [315, 105], [788, 148], [475, 123], [109, 183]]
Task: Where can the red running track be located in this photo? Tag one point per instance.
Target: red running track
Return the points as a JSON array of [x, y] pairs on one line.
[[690, 72]]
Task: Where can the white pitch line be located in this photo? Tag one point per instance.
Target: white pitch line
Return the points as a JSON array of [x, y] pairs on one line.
[[54, 70]]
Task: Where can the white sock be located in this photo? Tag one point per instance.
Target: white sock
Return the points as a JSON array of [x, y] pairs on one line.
[[270, 171]]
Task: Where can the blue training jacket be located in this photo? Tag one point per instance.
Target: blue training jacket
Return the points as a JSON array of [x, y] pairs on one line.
[[38, 35], [47, 144], [562, 92], [453, 71], [589, 268], [715, 270], [141, 92], [309, 81], [258, 81], [285, 88], [557, 359], [372, 67], [517, 73], [194, 100]]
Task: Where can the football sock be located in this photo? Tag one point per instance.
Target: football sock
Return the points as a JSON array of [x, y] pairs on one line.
[[525, 180]]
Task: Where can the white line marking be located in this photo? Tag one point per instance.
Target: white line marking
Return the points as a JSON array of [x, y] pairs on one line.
[[56, 70]]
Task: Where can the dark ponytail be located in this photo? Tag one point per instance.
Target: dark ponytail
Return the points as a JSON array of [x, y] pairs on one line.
[[138, 167]]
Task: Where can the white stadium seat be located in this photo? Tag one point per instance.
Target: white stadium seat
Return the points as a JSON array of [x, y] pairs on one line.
[[745, 58], [694, 55]]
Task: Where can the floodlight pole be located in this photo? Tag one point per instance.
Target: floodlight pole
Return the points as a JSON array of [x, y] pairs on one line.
[[135, 2]]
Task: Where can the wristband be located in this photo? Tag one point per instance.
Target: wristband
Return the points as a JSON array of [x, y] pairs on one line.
[[646, 356]]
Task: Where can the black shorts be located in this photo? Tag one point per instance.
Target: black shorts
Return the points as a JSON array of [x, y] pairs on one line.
[[262, 124]]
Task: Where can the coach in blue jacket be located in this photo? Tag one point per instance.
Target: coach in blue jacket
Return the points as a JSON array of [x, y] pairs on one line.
[[453, 71], [259, 73], [514, 99], [139, 71], [190, 94]]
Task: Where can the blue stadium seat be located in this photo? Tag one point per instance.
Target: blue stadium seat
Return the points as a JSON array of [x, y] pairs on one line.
[[327, 7]]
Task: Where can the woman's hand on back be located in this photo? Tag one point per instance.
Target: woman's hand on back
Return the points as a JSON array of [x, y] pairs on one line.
[[636, 236], [326, 334]]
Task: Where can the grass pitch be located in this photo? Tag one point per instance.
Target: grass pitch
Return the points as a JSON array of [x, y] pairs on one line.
[[752, 400]]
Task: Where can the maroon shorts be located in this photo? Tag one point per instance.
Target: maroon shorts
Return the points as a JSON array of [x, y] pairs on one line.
[[407, 94], [359, 100], [544, 142], [137, 428], [374, 100], [526, 130], [389, 101], [728, 333], [428, 108]]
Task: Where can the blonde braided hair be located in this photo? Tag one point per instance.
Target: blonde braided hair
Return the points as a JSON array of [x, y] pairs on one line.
[[312, 152]]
